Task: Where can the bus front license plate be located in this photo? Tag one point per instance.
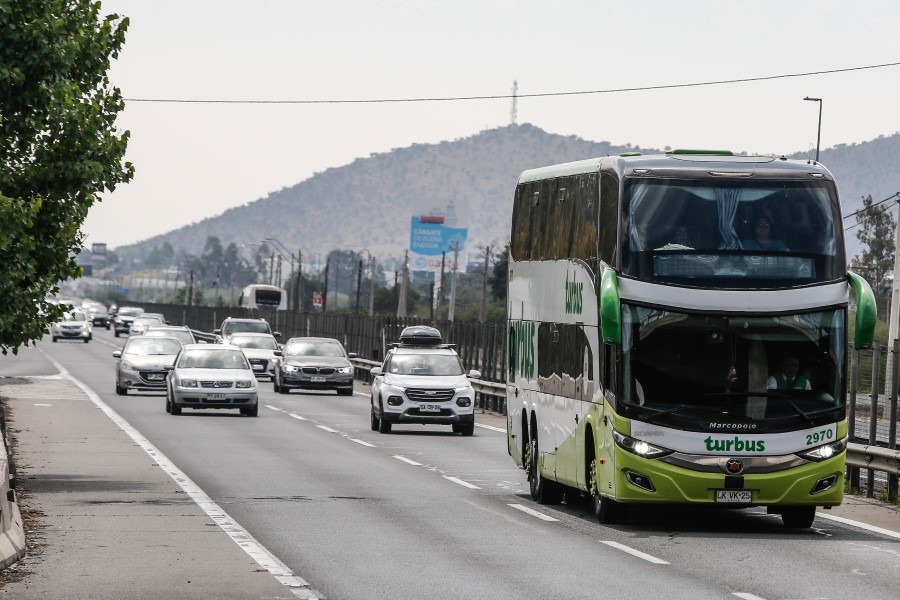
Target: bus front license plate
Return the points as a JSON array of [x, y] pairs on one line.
[[215, 396], [431, 408], [734, 496]]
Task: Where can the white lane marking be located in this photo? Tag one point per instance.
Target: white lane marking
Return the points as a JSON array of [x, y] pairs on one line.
[[298, 417], [462, 483], [362, 442], [43, 405], [408, 461], [634, 552], [275, 408], [532, 512], [328, 429], [745, 596], [491, 427], [852, 523], [265, 559]]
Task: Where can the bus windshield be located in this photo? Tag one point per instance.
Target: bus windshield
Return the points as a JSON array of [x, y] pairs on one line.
[[777, 372], [732, 234]]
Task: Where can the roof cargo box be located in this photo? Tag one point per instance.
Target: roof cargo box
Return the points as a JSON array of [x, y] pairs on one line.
[[420, 335]]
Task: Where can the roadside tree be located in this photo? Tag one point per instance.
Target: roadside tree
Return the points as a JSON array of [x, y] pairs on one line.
[[59, 149]]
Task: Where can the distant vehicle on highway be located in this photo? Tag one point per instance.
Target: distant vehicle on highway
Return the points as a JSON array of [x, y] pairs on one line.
[[233, 325], [182, 333], [314, 363], [124, 317], [141, 323], [259, 348], [98, 315], [75, 325], [212, 376], [141, 364], [259, 295]]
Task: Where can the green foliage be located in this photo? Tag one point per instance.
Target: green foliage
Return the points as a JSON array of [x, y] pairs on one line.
[[876, 235], [500, 275], [59, 149]]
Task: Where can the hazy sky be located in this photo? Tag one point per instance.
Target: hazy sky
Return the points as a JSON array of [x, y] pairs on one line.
[[195, 160]]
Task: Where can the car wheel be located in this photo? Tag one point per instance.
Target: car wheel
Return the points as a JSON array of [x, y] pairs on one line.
[[168, 403], [275, 387], [373, 418], [54, 339], [347, 392], [283, 390], [117, 334], [176, 410], [251, 412], [86, 340], [467, 428], [107, 327], [384, 426], [120, 391]]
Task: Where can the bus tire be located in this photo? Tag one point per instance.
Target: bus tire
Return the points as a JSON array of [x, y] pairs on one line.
[[607, 510], [543, 491], [798, 517]]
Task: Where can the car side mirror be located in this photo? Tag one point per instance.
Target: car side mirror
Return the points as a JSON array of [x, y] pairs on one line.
[[217, 331], [473, 374], [277, 334], [117, 354], [375, 371], [352, 354], [278, 353]]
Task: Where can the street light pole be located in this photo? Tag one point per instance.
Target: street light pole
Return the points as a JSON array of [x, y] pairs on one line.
[[819, 134]]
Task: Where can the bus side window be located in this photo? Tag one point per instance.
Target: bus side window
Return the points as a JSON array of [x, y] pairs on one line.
[[609, 217]]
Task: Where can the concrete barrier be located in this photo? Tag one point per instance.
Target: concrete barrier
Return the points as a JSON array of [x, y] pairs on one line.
[[12, 532]]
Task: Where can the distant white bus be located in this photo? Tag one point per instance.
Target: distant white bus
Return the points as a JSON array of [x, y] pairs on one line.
[[260, 295]]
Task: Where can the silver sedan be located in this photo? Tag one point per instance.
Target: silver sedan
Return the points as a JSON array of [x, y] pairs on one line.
[[142, 363], [212, 376]]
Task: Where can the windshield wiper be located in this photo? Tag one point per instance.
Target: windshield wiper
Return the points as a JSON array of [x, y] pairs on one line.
[[661, 412]]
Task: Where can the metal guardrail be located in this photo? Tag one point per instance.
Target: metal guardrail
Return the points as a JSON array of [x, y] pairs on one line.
[[876, 458]]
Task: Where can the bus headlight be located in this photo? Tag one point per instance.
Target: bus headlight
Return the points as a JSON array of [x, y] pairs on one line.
[[825, 451], [639, 447]]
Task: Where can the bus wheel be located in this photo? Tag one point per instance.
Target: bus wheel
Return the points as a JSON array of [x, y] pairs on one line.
[[543, 491], [798, 517], [608, 511]]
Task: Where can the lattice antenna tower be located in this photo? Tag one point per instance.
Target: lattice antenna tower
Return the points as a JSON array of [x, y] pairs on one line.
[[514, 111]]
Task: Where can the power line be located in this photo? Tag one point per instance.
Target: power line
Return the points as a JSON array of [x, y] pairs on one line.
[[895, 195], [514, 94], [883, 209]]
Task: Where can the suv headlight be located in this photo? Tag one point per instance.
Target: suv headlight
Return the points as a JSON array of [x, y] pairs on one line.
[[825, 451], [639, 447]]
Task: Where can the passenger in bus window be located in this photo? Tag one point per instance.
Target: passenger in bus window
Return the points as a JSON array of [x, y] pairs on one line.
[[683, 236], [762, 237], [789, 377]]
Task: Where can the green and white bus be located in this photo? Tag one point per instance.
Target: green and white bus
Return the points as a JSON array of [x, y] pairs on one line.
[[650, 316]]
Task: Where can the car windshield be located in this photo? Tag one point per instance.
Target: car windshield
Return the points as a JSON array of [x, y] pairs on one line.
[[253, 341], [314, 348], [425, 364], [130, 312], [246, 326], [76, 316], [213, 359], [142, 346], [146, 321]]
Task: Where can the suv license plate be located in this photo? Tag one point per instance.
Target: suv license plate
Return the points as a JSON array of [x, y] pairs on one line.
[[429, 408], [734, 496], [215, 396]]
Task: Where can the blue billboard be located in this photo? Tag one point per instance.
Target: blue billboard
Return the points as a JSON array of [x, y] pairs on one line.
[[429, 238]]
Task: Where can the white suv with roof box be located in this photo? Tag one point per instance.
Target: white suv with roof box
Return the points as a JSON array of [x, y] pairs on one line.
[[422, 381]]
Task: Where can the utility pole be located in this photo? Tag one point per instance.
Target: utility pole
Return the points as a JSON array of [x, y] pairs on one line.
[[439, 300], [358, 283], [325, 294], [371, 285], [404, 286], [189, 297], [454, 272], [484, 277], [299, 304], [514, 112]]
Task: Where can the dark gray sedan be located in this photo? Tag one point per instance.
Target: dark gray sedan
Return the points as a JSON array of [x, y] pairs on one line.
[[312, 363]]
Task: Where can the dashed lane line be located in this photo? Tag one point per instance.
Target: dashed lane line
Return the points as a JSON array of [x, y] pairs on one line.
[[407, 460], [533, 512], [634, 552], [362, 443], [459, 481]]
